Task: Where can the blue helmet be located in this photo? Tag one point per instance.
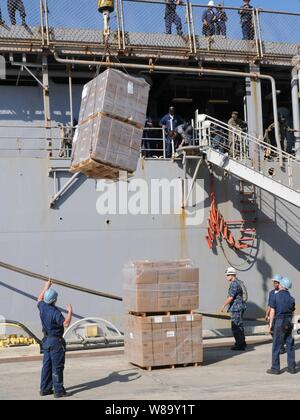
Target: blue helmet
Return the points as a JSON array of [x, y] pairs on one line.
[[50, 296], [277, 277], [286, 283]]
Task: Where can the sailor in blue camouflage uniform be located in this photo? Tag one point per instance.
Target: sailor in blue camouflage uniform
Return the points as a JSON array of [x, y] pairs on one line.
[[236, 303], [220, 20], [13, 6], [208, 19], [281, 325], [246, 15], [172, 17]]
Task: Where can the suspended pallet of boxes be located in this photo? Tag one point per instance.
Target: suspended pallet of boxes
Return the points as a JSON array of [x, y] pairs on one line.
[[160, 328], [111, 121]]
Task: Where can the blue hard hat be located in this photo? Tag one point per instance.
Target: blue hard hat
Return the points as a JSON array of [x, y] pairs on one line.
[[277, 277], [50, 296], [286, 283]]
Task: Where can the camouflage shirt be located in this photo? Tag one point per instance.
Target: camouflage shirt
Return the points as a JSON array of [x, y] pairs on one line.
[[236, 291]]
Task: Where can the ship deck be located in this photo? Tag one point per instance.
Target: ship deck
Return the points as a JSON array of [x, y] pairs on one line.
[[137, 30], [86, 42]]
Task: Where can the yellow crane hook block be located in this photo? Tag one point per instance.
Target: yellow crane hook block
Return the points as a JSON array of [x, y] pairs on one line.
[[106, 6]]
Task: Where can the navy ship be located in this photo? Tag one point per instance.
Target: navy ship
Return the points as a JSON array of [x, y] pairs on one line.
[[247, 212]]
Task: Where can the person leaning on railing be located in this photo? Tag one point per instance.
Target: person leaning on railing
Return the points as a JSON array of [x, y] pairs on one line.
[[235, 133], [185, 131], [284, 131]]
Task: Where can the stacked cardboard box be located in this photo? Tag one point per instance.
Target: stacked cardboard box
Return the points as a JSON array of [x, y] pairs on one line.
[[163, 340], [112, 117], [161, 286]]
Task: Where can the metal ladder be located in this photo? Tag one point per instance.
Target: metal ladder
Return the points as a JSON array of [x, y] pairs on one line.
[[243, 155], [249, 211]]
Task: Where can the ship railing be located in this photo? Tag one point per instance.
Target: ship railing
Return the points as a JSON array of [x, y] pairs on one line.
[[154, 143], [80, 21], [225, 35], [32, 28], [236, 143], [31, 140], [280, 28], [145, 24], [27, 138], [151, 23]]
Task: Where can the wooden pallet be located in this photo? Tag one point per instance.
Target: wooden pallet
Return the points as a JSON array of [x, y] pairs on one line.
[[94, 169], [175, 366], [161, 313]]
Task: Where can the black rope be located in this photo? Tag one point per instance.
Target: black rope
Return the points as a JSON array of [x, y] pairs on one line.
[[97, 293], [227, 317], [58, 282]]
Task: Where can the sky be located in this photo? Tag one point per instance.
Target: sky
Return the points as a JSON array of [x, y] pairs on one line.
[[286, 5]]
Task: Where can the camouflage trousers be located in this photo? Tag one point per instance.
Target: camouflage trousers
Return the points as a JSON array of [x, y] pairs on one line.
[[13, 6], [237, 326]]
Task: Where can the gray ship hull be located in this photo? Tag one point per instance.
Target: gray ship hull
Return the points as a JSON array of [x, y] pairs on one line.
[[72, 242]]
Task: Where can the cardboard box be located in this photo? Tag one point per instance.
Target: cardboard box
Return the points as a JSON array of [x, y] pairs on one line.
[[112, 117], [161, 287], [163, 340], [116, 94]]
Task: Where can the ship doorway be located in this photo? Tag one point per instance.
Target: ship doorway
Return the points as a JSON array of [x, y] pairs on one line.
[[217, 97]]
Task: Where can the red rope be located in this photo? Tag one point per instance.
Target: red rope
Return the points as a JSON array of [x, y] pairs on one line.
[[218, 228]]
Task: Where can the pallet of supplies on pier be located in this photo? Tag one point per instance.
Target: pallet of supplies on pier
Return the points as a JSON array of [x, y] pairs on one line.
[[172, 340], [109, 134], [163, 286]]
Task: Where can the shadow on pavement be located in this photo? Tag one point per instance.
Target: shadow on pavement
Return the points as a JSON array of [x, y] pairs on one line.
[[113, 377], [218, 354]]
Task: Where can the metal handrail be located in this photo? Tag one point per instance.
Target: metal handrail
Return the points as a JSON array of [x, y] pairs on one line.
[[251, 138], [154, 139], [54, 127], [204, 5], [122, 20], [208, 128]]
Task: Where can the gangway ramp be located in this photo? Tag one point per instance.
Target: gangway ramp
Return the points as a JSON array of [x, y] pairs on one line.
[[248, 158]]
